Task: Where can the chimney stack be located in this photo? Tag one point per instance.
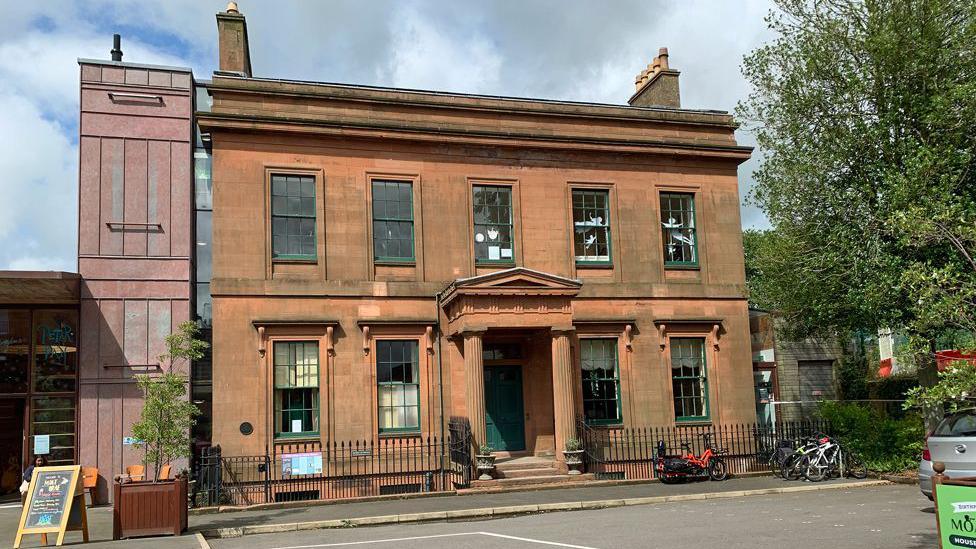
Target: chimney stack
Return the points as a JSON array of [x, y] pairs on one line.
[[116, 47], [235, 57], [657, 85]]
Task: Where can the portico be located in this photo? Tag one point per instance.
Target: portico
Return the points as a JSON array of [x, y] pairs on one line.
[[520, 323]]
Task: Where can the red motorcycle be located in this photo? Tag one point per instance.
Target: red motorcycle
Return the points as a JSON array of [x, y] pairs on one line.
[[674, 468]]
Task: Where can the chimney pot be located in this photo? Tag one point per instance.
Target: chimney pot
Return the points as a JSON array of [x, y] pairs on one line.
[[232, 7], [116, 47], [657, 85]]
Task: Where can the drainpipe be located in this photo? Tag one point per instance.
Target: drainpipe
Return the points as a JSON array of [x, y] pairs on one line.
[[440, 362]]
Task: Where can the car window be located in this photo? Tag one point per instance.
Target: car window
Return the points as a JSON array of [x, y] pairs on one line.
[[962, 424]]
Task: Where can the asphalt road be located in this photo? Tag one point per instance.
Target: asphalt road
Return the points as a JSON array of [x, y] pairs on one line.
[[882, 517]]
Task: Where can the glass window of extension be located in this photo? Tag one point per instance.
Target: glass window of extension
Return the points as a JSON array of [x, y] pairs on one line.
[[493, 234], [601, 380], [392, 221], [15, 347], [678, 225], [689, 380], [398, 385], [591, 226], [55, 351], [293, 217], [296, 380]]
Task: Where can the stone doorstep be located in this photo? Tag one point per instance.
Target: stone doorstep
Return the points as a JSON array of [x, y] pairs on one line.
[[462, 514], [526, 472]]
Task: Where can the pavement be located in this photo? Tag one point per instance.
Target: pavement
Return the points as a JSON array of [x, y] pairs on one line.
[[220, 527]]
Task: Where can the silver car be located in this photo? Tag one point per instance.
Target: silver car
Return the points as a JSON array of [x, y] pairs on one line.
[[953, 443]]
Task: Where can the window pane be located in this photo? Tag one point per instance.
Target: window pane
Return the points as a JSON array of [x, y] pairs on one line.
[[591, 226], [398, 392], [689, 381], [493, 223], [393, 220], [678, 226], [293, 216], [15, 340], [601, 379], [55, 416], [55, 350]]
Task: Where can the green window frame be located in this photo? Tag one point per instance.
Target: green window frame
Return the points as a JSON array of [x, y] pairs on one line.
[[393, 231], [398, 385], [293, 217], [679, 229], [601, 381], [296, 382], [494, 235], [689, 379], [591, 227]]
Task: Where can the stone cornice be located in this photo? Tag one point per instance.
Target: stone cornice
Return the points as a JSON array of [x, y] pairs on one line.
[[312, 126]]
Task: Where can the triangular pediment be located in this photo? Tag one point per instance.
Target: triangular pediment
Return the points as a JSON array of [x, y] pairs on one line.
[[516, 281], [518, 277]]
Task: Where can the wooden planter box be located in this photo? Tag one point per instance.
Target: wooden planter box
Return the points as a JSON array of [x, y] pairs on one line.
[[149, 509]]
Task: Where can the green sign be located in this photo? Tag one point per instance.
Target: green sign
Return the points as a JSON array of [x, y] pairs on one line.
[[957, 515]]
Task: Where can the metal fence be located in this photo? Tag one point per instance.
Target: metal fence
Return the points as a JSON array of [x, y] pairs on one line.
[[335, 470], [629, 453]]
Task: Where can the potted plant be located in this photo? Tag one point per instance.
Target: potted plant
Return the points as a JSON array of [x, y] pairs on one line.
[[574, 456], [158, 506], [485, 461]]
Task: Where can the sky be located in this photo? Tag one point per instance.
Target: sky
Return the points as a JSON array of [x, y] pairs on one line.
[[553, 49]]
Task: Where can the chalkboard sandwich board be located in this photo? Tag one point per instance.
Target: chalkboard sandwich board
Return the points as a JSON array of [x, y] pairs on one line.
[[55, 503]]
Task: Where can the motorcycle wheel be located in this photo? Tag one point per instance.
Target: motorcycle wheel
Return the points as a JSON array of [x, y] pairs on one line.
[[718, 469]]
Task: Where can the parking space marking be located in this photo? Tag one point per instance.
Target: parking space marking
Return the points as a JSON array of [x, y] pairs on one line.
[[417, 538], [541, 542], [390, 540]]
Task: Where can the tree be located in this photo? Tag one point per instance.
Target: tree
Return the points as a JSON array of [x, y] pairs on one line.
[[167, 416], [865, 111]]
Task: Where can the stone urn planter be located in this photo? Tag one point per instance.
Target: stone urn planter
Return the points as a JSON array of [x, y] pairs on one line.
[[485, 462], [573, 454]]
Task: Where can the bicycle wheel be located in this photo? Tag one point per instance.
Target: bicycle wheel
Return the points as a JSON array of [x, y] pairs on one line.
[[855, 467], [775, 467], [814, 469], [718, 469], [791, 469]]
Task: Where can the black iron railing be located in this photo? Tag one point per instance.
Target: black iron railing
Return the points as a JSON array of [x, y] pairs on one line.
[[629, 452], [337, 470]]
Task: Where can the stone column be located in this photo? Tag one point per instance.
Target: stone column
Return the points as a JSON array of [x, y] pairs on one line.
[[474, 378], [563, 391]]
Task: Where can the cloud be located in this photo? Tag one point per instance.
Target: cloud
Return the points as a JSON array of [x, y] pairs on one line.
[[586, 51]]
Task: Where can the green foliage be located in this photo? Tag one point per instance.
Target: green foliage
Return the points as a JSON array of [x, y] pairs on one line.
[[955, 389], [865, 111], [885, 444], [485, 449], [167, 416], [574, 445]]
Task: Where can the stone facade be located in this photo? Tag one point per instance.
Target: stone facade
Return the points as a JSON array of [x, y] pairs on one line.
[[457, 309]]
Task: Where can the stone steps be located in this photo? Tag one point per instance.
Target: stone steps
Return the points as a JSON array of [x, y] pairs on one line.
[[554, 480], [527, 472]]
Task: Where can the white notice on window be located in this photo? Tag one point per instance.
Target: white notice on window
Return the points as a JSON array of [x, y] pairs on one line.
[[494, 252], [506, 253], [296, 426]]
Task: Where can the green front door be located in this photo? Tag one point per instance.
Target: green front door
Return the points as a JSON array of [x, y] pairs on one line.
[[504, 420]]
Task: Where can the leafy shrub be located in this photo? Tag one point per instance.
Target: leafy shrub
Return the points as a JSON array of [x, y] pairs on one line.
[[885, 444]]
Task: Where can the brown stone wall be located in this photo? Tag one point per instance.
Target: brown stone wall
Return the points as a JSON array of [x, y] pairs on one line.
[[346, 136]]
